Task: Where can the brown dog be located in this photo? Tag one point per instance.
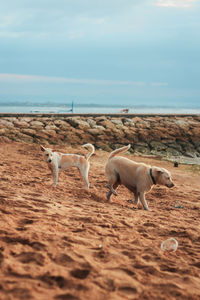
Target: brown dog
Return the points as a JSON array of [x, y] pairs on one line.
[[137, 177]]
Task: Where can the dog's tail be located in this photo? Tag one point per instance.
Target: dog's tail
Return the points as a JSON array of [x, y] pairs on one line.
[[120, 150], [92, 149]]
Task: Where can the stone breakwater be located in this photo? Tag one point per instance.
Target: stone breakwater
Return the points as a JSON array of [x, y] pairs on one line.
[[165, 135]]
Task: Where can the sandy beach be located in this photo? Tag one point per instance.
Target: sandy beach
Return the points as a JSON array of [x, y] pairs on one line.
[[68, 243]]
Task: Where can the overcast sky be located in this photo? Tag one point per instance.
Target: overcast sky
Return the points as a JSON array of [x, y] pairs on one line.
[[101, 51]]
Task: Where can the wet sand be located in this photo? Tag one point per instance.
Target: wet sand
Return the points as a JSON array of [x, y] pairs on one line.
[[68, 243]]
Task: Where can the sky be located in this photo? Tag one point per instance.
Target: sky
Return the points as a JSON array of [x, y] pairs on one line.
[[124, 52]]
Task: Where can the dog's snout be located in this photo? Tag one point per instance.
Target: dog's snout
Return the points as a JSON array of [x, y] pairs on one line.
[[49, 160], [170, 185]]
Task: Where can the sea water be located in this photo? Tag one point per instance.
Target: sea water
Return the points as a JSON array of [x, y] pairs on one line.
[[81, 109]]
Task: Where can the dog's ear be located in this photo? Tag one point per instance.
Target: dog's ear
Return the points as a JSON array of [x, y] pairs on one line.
[[42, 148], [159, 172]]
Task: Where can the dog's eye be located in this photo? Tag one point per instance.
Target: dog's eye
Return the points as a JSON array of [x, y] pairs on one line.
[[47, 154]]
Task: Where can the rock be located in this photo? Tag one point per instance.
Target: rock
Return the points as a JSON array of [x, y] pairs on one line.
[[36, 124], [23, 137], [107, 124], [158, 146], [144, 135], [131, 135], [77, 122], [117, 121], [51, 127], [50, 132], [127, 121], [28, 131], [121, 127], [141, 148], [196, 145], [142, 124], [103, 146], [191, 154], [100, 128], [91, 122], [59, 122], [195, 131], [182, 123], [161, 133], [63, 125], [21, 124], [176, 146], [4, 139], [3, 131], [5, 123], [94, 131], [101, 119], [172, 152], [24, 119], [41, 134]]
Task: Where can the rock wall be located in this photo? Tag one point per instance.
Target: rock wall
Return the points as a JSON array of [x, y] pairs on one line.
[[166, 135]]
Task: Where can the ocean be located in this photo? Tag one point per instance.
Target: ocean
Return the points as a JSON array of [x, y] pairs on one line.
[[94, 109]]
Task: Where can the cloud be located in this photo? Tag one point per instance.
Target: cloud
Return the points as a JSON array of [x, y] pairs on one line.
[[158, 84], [175, 3], [22, 78], [69, 19], [75, 34], [13, 78]]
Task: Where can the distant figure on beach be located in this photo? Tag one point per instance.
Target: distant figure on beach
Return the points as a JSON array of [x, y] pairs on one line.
[[72, 109], [125, 110]]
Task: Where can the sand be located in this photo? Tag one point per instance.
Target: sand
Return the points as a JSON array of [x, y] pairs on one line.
[[68, 243]]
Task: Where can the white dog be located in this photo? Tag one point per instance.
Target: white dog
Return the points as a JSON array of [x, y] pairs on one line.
[[59, 161], [137, 177]]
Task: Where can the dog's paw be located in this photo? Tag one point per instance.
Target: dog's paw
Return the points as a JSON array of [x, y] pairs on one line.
[[114, 193], [108, 196], [148, 209]]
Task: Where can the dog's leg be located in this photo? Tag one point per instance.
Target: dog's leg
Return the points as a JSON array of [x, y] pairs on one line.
[[84, 169], [143, 201], [111, 188], [108, 195], [136, 198], [113, 179], [55, 175]]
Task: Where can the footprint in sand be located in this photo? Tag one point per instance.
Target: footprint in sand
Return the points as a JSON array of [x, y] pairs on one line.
[[66, 296], [20, 293], [80, 273], [62, 259], [31, 257], [128, 290], [168, 268], [59, 281], [26, 221], [15, 240], [1, 258]]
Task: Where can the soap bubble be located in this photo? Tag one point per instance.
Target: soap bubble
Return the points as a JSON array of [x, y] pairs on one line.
[[170, 244]]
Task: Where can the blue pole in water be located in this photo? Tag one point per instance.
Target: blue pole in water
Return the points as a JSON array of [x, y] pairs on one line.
[[72, 106]]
